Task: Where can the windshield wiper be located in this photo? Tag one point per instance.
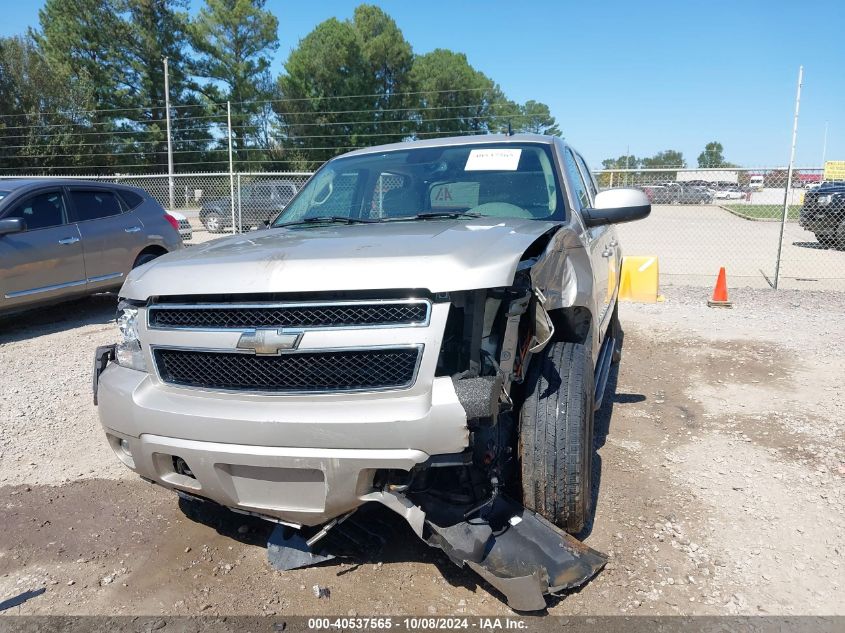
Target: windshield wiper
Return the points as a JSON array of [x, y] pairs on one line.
[[433, 215], [326, 219]]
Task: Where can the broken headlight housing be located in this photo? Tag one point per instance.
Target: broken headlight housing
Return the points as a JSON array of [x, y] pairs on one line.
[[128, 350]]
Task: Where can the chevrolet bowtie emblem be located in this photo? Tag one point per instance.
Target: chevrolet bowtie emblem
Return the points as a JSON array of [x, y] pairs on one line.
[[269, 342]]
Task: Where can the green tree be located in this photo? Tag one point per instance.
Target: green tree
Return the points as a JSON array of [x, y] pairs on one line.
[[116, 47], [233, 40], [455, 98], [666, 158], [628, 161], [712, 156], [159, 29], [536, 118], [320, 110], [82, 40], [346, 84], [389, 57], [613, 176], [45, 124]]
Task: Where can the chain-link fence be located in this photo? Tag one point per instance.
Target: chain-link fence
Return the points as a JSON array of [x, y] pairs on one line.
[[701, 219]]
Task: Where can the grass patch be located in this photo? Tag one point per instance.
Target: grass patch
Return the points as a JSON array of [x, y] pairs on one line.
[[764, 211]]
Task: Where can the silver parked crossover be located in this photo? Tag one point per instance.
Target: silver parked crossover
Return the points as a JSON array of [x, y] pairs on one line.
[[64, 238]]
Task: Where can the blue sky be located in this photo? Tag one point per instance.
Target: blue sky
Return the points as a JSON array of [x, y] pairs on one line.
[[645, 75]]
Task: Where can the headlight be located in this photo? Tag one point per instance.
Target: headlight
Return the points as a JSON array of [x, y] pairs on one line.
[[128, 351], [824, 200]]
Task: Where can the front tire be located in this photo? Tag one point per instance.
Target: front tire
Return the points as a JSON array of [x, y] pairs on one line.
[[840, 236], [826, 240], [556, 435]]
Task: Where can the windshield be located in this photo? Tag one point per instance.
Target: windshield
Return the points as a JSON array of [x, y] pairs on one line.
[[504, 180]]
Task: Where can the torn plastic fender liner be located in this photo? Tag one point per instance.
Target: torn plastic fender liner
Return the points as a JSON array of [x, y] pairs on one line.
[[519, 553]]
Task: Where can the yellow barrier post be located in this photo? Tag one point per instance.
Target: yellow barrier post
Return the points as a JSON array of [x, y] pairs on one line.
[[640, 279]]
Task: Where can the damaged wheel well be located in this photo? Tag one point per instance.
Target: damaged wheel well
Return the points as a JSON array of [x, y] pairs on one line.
[[572, 325]]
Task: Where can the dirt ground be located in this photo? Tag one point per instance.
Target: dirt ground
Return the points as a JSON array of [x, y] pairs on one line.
[[719, 484]]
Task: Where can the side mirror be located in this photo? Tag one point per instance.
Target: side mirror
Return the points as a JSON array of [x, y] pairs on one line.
[[12, 225], [617, 205]]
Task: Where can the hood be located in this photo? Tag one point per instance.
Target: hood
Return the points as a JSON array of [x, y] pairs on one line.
[[437, 255]]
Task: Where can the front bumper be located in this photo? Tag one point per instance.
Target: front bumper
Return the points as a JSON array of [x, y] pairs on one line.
[[301, 461], [822, 220]]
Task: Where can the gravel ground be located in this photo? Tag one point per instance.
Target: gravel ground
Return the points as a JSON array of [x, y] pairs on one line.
[[719, 483]]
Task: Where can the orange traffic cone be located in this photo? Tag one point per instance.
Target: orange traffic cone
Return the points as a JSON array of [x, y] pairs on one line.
[[720, 292]]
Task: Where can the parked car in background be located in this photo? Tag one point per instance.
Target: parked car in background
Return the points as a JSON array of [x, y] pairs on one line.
[[732, 193], [65, 238], [678, 193], [757, 182], [823, 213], [259, 203]]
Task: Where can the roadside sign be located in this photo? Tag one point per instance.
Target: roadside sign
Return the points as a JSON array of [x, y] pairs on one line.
[[834, 170]]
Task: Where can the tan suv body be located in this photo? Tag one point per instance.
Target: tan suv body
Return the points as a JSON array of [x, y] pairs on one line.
[[394, 336]]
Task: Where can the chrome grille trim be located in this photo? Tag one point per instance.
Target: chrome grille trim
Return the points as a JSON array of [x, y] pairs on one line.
[[302, 306], [417, 348]]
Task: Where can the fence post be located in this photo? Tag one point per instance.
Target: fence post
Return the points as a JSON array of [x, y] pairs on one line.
[[231, 166], [789, 174], [240, 212], [170, 186]]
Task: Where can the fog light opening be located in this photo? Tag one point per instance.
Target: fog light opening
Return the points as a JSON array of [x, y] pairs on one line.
[[124, 446], [181, 467]]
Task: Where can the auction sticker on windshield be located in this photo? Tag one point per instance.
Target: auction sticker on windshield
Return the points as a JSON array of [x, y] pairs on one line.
[[493, 160]]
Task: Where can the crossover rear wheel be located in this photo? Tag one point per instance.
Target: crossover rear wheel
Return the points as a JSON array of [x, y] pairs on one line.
[[556, 435], [213, 222], [145, 258]]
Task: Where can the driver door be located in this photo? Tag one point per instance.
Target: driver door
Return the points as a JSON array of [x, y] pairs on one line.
[[604, 254], [46, 260]]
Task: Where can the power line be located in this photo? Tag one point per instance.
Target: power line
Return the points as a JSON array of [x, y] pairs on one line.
[[468, 106], [208, 104]]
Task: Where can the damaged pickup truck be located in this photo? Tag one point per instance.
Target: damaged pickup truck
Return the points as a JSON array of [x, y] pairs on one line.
[[427, 325]]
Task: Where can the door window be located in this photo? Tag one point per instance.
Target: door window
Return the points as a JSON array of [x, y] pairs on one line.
[[132, 199], [588, 177], [579, 188], [93, 205], [41, 211]]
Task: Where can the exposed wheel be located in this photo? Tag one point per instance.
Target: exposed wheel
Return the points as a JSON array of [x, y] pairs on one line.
[[556, 435], [826, 240], [145, 258], [840, 235], [213, 222]]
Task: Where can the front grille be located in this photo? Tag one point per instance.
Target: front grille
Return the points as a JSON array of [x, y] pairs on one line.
[[290, 315], [293, 372]]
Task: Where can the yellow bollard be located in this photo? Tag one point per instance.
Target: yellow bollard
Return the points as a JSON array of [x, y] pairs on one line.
[[639, 280]]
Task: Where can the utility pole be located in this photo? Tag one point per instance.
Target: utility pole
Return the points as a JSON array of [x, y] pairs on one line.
[[789, 172], [824, 145], [170, 189], [235, 228]]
